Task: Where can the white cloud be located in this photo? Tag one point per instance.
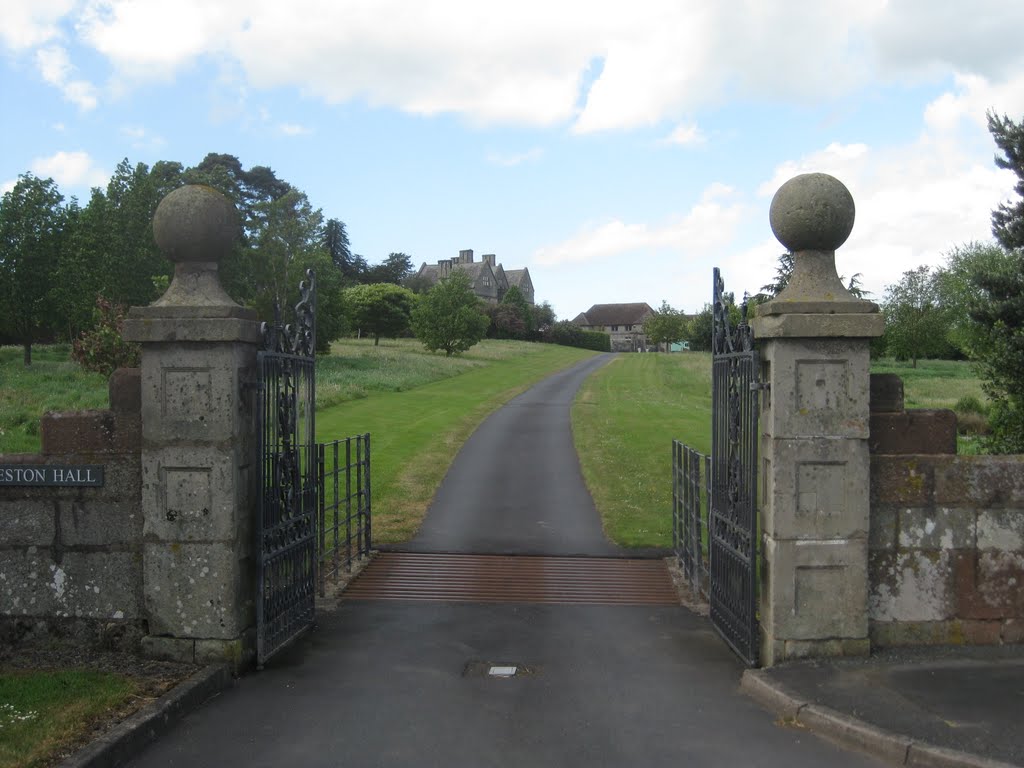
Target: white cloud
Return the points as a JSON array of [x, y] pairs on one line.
[[914, 203], [510, 161], [28, 23], [7, 186], [708, 225], [70, 169], [293, 129], [527, 62], [140, 138], [56, 69], [685, 134]]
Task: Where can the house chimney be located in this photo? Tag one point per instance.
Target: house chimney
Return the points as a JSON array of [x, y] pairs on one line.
[[489, 258], [444, 268], [466, 257]]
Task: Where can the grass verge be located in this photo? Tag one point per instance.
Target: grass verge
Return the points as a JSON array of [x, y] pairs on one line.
[[624, 420], [41, 713]]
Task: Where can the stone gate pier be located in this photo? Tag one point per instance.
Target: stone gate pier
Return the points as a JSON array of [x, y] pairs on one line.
[[815, 492], [198, 352]]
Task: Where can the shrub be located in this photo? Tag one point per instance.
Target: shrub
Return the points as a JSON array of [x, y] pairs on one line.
[[970, 404], [103, 349], [569, 334]]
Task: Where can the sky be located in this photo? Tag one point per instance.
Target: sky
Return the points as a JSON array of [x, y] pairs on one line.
[[619, 150]]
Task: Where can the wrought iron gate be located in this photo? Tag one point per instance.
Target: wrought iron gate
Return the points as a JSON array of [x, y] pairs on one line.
[[733, 515], [288, 477]]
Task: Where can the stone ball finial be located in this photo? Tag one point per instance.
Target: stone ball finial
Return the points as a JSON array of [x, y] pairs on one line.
[[195, 223], [812, 212]]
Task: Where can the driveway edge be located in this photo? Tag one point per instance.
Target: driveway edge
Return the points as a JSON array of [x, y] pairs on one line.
[[129, 736], [853, 732]]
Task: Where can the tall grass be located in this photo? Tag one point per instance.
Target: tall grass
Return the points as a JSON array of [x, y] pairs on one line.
[[54, 382], [934, 383]]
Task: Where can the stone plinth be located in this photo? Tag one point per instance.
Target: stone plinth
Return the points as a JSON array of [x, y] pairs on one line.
[[198, 352], [814, 339]]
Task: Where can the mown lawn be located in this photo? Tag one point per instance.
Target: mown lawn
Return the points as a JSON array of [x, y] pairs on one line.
[[624, 420]]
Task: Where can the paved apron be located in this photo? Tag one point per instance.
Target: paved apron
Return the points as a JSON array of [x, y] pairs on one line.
[[394, 683]]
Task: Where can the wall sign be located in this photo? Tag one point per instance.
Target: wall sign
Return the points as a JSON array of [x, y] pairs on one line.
[[43, 475]]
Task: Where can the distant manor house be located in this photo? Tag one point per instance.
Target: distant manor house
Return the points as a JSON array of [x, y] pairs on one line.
[[489, 280], [623, 322]]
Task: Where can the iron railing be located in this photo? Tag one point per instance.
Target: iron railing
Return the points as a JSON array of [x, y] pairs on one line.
[[691, 493], [345, 505]]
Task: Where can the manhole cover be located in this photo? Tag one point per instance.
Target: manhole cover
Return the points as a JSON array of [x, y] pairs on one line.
[[497, 669]]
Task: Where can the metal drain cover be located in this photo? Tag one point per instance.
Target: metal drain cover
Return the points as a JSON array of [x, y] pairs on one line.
[[496, 669]]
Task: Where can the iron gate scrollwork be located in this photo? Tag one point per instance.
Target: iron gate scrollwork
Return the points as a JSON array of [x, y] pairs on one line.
[[732, 521], [288, 476]]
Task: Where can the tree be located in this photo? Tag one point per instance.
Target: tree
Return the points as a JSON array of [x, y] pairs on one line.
[[543, 316], [448, 317], [783, 273], [381, 309], [960, 295], [31, 231], [699, 329], [916, 322], [1001, 360], [394, 269], [506, 322], [334, 240], [666, 325], [1008, 218]]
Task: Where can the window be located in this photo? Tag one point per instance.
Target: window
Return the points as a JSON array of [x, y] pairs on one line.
[[629, 327], [615, 327]]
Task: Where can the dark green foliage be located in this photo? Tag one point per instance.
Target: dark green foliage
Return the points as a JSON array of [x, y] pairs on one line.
[[512, 317], [103, 349], [1008, 218], [31, 235], [381, 309], [699, 329], [568, 334], [506, 322], [394, 269], [783, 273], [334, 240], [449, 316], [1001, 360], [543, 318]]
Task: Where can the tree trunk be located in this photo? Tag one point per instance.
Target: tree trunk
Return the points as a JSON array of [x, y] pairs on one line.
[[28, 353], [376, 340]]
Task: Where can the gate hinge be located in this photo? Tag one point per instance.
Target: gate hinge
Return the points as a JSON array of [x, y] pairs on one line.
[[760, 385]]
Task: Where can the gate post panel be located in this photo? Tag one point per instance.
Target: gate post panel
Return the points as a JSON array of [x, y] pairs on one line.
[[814, 338], [198, 441]]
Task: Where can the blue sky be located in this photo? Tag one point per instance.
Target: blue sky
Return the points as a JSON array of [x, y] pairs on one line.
[[617, 150]]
